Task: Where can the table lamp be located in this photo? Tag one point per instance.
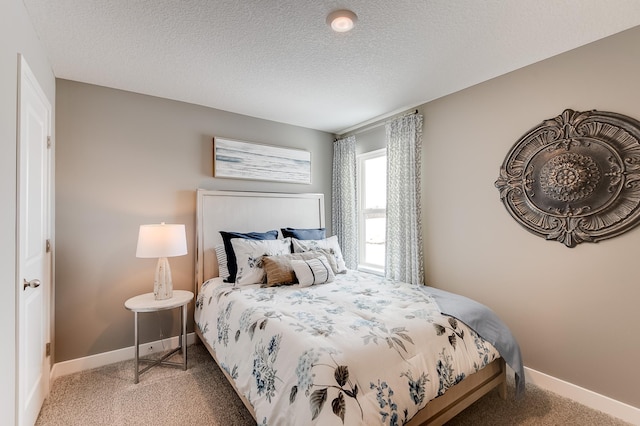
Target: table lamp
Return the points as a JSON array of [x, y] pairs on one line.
[[162, 241]]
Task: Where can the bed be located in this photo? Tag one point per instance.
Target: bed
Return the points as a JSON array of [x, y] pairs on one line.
[[344, 352]]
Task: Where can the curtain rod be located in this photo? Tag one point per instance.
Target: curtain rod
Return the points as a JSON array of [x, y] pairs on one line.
[[374, 125]]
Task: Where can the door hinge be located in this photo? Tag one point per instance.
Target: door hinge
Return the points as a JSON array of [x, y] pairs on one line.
[[48, 246], [48, 349], [48, 141]]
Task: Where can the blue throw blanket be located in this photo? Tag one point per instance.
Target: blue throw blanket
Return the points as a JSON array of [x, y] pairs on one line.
[[487, 324]]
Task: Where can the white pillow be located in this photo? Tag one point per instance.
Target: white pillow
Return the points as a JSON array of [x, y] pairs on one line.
[[249, 257], [327, 245], [312, 271], [221, 255]]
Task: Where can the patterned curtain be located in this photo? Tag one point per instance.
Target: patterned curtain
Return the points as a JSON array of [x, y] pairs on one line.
[[344, 216], [404, 260]]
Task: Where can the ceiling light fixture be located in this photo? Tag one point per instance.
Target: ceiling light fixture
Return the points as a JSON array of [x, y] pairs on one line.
[[342, 21]]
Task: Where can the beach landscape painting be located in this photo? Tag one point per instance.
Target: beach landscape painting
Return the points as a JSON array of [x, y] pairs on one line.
[[247, 160]]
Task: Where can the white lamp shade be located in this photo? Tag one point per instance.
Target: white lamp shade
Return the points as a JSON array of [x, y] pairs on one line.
[[161, 240]]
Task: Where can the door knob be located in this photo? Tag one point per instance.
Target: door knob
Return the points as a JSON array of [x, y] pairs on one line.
[[32, 283]]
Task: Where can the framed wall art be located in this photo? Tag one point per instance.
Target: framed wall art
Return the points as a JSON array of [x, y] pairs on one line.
[[247, 160]]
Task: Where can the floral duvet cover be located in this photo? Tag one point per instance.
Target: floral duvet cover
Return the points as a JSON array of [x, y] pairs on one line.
[[361, 350]]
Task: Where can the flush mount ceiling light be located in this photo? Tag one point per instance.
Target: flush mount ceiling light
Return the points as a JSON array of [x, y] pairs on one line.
[[342, 21]]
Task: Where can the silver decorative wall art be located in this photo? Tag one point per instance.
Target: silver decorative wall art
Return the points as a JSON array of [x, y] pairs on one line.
[[575, 178]]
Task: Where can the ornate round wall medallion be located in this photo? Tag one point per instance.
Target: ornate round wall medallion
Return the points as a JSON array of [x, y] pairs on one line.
[[575, 177]]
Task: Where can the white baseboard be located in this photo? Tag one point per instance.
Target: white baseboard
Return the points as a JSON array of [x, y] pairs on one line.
[[93, 361], [584, 396]]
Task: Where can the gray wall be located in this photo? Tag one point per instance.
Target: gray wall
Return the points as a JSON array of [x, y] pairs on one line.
[[123, 160], [574, 311], [16, 36], [371, 139]]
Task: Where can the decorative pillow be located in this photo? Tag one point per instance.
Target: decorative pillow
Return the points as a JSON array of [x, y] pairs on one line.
[[221, 255], [313, 271], [330, 257], [227, 236], [249, 255], [304, 234], [279, 270], [329, 245]]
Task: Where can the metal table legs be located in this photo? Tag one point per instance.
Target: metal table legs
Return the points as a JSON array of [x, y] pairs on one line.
[[182, 346]]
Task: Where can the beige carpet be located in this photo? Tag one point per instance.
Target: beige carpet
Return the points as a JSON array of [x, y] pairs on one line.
[[202, 396]]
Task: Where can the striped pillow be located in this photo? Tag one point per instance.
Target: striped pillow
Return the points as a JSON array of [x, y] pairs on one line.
[[313, 271], [221, 255], [279, 270]]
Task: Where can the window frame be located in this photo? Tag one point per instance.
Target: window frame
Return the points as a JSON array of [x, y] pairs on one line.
[[363, 212]]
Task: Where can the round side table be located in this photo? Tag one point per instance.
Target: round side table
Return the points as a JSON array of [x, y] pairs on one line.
[[147, 303]]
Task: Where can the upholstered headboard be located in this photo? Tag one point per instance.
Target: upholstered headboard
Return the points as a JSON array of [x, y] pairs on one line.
[[247, 212]]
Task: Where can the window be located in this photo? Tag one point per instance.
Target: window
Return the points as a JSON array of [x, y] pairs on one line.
[[372, 209]]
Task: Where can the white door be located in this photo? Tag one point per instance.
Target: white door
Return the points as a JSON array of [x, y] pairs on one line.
[[33, 248]]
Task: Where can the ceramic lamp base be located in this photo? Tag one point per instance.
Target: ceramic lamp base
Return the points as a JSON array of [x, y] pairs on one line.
[[162, 284]]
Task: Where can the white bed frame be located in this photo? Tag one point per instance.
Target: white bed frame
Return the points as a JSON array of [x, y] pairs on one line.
[[259, 211]]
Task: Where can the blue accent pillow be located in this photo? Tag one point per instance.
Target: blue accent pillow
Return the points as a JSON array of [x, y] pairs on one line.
[[232, 262], [304, 234]]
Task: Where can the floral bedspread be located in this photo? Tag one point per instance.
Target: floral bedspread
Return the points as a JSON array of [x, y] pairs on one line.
[[361, 350]]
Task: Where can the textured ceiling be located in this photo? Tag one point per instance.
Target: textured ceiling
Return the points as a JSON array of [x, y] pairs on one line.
[[278, 59]]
